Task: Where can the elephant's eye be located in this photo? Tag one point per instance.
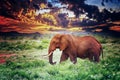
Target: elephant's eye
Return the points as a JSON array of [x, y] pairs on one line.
[[54, 42]]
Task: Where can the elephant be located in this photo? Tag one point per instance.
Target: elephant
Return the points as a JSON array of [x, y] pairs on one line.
[[75, 46]]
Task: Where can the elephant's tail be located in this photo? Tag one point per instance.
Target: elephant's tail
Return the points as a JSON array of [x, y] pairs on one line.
[[101, 51]]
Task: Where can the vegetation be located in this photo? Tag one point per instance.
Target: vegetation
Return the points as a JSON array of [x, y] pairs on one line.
[[23, 45], [31, 65]]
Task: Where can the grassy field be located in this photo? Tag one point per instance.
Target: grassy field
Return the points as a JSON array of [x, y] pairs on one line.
[[30, 64]]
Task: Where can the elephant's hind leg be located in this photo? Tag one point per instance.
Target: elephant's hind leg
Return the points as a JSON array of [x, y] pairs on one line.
[[91, 57], [96, 58], [64, 57]]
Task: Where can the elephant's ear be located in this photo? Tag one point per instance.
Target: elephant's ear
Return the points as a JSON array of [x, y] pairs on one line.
[[63, 42]]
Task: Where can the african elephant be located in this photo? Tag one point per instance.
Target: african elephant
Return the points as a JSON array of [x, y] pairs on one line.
[[74, 46]]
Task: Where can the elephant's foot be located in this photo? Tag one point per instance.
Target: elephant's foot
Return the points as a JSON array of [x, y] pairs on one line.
[[74, 62], [52, 63]]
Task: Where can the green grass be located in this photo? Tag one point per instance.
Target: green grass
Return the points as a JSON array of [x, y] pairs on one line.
[[31, 65], [23, 45]]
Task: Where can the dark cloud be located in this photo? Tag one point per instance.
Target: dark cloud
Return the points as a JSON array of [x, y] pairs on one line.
[[11, 8], [80, 7]]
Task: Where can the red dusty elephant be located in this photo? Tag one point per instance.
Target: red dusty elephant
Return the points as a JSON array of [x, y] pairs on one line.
[[73, 47]]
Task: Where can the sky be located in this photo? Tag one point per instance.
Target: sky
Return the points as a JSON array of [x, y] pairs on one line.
[[115, 4], [11, 24]]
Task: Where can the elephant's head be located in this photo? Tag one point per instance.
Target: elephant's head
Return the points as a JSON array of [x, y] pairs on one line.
[[58, 41]]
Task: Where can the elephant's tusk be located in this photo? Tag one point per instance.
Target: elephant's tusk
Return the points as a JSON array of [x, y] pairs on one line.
[[50, 53]]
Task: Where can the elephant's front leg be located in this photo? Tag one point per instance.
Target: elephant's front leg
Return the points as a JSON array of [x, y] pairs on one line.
[[64, 57], [73, 58]]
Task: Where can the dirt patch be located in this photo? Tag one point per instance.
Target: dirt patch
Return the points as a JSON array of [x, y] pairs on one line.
[[4, 57]]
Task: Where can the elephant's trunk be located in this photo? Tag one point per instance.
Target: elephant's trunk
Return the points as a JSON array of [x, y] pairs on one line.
[[50, 54]]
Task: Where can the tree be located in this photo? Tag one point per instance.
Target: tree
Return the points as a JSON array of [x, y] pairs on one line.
[[80, 7]]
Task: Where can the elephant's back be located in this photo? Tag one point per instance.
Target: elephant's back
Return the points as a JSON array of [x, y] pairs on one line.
[[89, 40], [87, 43]]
